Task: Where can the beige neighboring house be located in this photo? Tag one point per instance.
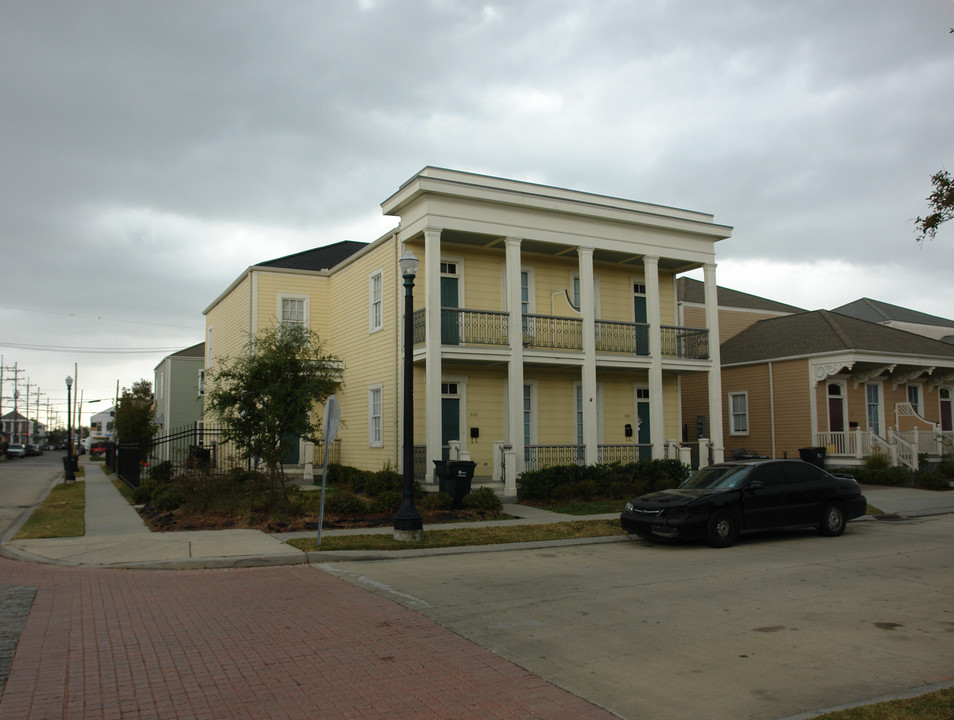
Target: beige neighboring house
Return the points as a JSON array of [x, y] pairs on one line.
[[737, 312], [900, 318], [546, 325], [826, 380]]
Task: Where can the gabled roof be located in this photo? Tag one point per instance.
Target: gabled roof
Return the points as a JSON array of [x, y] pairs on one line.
[[320, 258], [693, 291], [196, 351], [880, 312], [820, 332], [13, 415]]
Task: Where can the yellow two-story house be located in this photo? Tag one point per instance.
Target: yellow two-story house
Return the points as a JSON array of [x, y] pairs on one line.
[[544, 325]]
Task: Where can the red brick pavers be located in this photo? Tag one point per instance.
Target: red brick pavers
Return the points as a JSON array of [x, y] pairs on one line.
[[256, 643]]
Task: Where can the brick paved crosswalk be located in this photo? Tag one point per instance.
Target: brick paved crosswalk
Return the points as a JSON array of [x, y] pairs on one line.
[[257, 643]]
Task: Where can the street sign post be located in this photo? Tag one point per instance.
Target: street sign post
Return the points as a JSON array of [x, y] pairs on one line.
[[329, 429]]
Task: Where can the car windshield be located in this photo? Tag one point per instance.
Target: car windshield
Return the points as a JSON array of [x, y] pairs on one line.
[[718, 477]]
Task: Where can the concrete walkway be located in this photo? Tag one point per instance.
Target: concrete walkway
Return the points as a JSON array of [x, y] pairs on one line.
[[116, 535]]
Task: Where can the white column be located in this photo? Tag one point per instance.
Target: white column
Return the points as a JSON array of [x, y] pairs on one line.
[[432, 367], [588, 379], [515, 366], [657, 412], [715, 371]]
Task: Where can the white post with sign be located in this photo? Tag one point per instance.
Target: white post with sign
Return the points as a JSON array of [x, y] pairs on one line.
[[329, 428]]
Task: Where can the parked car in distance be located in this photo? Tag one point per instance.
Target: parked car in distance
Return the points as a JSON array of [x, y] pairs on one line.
[[33, 450], [15, 450], [97, 449], [722, 501]]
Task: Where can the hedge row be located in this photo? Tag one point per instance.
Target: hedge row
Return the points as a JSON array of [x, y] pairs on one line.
[[601, 481]]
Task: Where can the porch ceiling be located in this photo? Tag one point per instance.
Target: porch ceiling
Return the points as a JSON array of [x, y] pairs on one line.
[[459, 237]]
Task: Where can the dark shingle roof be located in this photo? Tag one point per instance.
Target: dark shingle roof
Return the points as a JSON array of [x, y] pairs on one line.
[[690, 290], [194, 351], [880, 312], [320, 258], [821, 331]]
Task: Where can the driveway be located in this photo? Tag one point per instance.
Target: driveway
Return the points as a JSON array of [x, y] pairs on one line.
[[778, 625]]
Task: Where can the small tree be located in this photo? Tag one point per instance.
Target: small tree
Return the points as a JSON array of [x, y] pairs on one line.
[[269, 394], [135, 416], [941, 202]]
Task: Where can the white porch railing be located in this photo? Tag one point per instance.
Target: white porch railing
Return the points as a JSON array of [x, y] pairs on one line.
[[900, 447]]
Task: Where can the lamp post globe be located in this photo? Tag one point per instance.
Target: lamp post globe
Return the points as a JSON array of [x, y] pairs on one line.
[[408, 525]]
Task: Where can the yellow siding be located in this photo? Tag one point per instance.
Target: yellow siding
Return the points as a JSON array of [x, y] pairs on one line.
[[369, 358], [790, 380], [228, 321], [754, 381]]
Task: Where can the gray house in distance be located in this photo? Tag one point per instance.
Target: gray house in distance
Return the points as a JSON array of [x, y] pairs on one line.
[[178, 389], [900, 318]]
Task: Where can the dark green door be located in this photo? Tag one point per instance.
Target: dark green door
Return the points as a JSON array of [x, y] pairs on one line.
[[450, 424], [450, 330], [644, 435], [290, 454]]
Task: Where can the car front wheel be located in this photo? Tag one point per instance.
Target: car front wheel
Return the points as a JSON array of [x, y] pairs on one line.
[[723, 529], [832, 520]]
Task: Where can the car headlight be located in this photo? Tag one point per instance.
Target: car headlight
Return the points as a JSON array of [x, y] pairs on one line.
[[629, 507]]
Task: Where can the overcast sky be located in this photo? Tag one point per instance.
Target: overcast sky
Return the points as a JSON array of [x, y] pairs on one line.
[[151, 151]]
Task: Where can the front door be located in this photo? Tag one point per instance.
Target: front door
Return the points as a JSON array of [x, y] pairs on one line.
[[644, 435], [836, 408], [290, 447], [946, 409], [450, 424]]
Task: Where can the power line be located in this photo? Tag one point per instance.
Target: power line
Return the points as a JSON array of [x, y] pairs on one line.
[[93, 350], [96, 317]]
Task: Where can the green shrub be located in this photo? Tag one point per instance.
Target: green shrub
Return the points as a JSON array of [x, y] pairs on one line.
[[481, 499], [387, 501], [383, 481], [435, 501], [887, 476], [613, 481], [167, 498], [162, 472], [877, 461], [933, 480], [142, 495], [346, 503]]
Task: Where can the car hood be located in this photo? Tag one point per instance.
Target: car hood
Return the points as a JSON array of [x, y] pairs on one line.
[[673, 497]]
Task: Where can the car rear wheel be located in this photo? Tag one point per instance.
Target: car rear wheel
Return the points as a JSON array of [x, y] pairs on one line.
[[723, 529], [832, 520]]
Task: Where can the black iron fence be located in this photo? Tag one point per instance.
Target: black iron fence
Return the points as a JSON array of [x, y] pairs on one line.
[[196, 448]]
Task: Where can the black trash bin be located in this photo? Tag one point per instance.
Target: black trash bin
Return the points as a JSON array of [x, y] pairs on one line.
[[453, 478], [813, 455]]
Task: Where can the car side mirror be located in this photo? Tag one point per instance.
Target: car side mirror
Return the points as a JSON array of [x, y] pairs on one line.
[[756, 485]]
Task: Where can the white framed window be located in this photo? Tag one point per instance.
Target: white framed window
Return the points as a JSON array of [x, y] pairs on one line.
[[375, 301], [375, 416], [873, 405], [739, 413], [914, 397], [293, 310], [201, 383], [208, 348]]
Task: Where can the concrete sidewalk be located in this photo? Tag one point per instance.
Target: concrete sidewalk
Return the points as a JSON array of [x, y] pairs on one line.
[[116, 535]]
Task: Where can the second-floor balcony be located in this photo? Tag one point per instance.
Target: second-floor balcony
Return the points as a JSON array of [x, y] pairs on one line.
[[475, 328]]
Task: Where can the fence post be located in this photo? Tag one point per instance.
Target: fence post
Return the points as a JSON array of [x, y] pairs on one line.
[[703, 453]]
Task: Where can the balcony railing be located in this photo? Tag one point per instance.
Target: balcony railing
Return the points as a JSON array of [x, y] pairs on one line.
[[460, 326]]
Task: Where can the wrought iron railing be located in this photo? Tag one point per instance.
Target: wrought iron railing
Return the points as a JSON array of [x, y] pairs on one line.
[[543, 456], [686, 343], [623, 454], [547, 331], [460, 326], [622, 337]]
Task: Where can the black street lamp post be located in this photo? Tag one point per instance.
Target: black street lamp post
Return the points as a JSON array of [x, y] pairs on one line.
[[408, 525], [70, 476]]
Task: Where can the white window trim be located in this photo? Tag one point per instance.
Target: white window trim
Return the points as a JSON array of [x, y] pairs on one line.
[[534, 412], [881, 426], [372, 441], [376, 323], [731, 414], [919, 408], [307, 308], [844, 401]]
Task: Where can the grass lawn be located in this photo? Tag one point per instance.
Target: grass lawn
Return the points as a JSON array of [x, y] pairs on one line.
[[937, 705], [466, 536], [61, 514]]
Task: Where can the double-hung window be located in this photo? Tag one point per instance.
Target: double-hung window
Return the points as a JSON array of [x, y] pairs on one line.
[[738, 413], [293, 310], [375, 416], [375, 301]]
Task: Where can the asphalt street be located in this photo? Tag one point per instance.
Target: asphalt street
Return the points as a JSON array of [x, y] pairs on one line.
[[779, 625]]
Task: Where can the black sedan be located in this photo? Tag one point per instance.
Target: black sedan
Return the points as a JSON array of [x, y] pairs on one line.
[[721, 501]]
